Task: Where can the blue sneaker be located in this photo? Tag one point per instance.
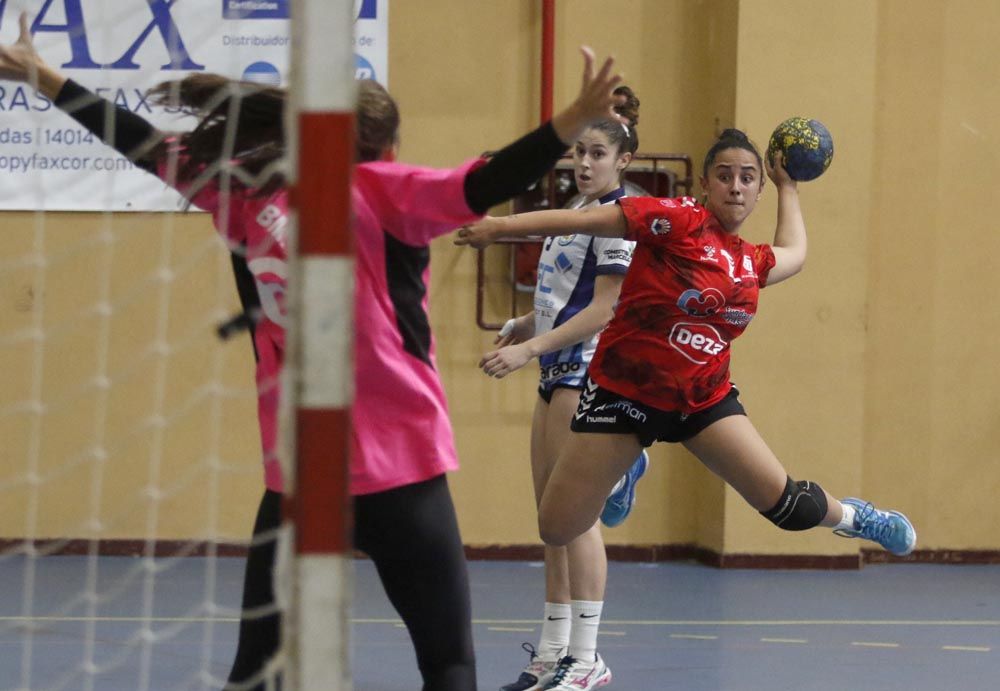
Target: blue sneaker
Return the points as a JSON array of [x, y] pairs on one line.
[[890, 529], [619, 503]]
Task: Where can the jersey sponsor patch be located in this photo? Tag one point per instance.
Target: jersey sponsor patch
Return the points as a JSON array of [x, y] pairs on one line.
[[561, 369], [626, 407], [660, 226], [699, 343], [701, 303], [273, 219], [748, 273], [736, 316], [617, 255]]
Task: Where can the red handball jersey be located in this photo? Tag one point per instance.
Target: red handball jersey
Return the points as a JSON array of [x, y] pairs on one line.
[[692, 288]]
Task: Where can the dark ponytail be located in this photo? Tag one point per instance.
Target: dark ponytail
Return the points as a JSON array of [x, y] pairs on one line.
[[627, 106], [623, 136], [255, 140], [730, 139]]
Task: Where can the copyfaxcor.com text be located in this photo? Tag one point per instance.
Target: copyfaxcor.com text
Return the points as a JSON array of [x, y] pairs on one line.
[[24, 164]]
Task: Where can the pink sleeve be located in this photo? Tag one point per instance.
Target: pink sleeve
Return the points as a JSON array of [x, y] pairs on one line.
[[205, 198], [416, 204]]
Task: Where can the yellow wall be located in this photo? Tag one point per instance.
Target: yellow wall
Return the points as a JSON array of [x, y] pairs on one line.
[[932, 406], [870, 373], [147, 421]]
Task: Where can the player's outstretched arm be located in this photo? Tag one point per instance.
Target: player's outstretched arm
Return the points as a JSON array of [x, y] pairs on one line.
[[607, 221], [518, 165], [790, 243], [121, 129]]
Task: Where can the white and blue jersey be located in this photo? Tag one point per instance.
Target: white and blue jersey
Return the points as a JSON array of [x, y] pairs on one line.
[[567, 270]]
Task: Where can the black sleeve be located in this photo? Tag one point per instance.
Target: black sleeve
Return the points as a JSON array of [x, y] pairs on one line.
[[513, 169], [128, 133], [246, 288]]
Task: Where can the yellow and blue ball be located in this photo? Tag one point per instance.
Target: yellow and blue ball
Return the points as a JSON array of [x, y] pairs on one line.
[[807, 147]]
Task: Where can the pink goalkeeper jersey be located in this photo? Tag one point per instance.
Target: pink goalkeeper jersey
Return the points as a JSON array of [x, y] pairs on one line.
[[401, 433], [401, 429], [254, 231]]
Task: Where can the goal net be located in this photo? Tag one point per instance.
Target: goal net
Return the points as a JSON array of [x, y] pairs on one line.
[[131, 466]]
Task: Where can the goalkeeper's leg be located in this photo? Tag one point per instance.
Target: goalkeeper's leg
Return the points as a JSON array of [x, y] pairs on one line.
[[411, 534], [260, 622]]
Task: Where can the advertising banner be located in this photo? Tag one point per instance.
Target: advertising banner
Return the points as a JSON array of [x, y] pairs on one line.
[[121, 48]]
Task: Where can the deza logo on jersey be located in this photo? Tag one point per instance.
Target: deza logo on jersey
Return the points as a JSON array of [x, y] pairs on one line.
[[697, 342]]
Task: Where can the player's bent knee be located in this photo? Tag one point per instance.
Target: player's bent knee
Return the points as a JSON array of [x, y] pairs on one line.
[[553, 531], [802, 506], [552, 535]]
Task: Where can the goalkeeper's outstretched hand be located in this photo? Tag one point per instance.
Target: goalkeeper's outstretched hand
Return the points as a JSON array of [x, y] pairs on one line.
[[20, 62]]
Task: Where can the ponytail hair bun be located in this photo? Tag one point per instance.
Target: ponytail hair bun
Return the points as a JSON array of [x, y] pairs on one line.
[[733, 134], [623, 134], [731, 138], [627, 104]]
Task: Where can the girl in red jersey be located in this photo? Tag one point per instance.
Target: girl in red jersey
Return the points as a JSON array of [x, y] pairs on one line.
[[661, 370]]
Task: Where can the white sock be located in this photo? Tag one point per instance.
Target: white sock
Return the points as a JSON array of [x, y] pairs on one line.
[[583, 635], [847, 522], [555, 631], [618, 485]]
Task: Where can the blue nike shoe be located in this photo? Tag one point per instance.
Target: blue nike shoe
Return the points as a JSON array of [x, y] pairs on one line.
[[619, 503]]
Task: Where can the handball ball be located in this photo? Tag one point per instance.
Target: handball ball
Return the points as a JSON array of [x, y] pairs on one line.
[[807, 147]]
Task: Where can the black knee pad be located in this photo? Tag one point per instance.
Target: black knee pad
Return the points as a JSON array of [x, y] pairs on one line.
[[801, 507]]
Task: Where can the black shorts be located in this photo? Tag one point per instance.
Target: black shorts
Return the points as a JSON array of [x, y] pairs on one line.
[[546, 391], [603, 411]]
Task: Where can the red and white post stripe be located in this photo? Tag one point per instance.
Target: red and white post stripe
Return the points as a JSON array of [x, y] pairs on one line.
[[320, 381]]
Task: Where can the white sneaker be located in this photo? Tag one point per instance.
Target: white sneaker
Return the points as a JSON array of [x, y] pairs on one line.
[[536, 676], [576, 675]]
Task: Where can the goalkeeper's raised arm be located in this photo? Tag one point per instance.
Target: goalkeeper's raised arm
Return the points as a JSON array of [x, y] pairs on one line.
[[127, 132]]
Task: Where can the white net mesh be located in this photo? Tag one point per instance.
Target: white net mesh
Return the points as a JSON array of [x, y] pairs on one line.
[[131, 454], [130, 429]]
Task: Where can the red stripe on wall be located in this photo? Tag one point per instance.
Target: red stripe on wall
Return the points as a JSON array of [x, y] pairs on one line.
[[321, 506], [323, 193]]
